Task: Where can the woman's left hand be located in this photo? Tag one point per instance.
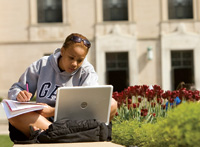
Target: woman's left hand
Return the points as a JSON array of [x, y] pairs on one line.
[[47, 111]]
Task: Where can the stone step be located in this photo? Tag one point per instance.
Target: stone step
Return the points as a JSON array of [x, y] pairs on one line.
[[3, 122], [4, 129], [3, 118], [87, 144]]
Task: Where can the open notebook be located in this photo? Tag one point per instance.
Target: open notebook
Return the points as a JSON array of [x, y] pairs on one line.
[[15, 108]]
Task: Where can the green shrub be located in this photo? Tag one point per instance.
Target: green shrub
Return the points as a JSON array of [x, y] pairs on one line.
[[181, 127], [131, 132]]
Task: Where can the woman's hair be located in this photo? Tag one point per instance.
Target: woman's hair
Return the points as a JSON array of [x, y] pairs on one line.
[[70, 43]]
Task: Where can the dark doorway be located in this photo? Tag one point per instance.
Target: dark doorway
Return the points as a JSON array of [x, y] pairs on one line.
[[183, 74], [117, 79], [117, 70], [182, 67]]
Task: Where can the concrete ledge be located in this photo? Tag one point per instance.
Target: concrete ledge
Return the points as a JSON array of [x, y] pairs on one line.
[[87, 144], [3, 118], [4, 129]]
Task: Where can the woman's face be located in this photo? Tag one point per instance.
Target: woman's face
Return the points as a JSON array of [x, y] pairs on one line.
[[72, 58]]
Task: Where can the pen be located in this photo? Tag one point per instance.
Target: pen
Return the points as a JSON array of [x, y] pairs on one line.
[[27, 89]]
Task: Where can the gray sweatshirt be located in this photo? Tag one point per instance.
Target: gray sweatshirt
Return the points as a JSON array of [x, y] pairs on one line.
[[44, 77]]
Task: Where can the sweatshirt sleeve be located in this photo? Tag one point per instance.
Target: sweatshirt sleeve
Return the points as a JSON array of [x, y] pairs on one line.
[[30, 76]]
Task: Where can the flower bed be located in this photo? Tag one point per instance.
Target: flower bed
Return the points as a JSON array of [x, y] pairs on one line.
[[181, 127], [145, 103], [149, 116]]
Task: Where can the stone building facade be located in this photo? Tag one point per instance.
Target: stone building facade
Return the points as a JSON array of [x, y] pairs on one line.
[[133, 41]]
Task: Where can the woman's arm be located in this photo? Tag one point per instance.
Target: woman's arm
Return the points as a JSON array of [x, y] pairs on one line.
[[113, 108], [30, 77]]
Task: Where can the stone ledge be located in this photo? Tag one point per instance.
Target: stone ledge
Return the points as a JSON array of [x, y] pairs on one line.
[[4, 129], [87, 144], [3, 121]]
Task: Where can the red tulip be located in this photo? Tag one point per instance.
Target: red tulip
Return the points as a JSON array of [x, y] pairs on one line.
[[134, 105], [169, 93], [129, 101], [171, 100], [173, 94], [144, 88], [197, 97], [163, 106], [164, 96], [139, 99], [144, 112], [159, 100]]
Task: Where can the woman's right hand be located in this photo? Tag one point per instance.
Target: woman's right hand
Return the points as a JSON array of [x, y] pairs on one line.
[[24, 96], [47, 111]]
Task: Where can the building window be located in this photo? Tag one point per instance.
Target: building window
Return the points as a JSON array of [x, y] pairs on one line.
[[182, 67], [115, 10], [49, 11], [117, 70], [180, 9]]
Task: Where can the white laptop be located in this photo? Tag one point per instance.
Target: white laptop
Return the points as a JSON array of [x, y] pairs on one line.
[[84, 102]]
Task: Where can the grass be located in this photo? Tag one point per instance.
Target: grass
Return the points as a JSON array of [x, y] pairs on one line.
[[5, 141]]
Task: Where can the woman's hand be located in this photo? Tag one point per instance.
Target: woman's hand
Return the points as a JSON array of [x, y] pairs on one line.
[[47, 111], [24, 96]]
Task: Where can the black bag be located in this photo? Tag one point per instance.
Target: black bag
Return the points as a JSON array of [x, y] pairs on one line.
[[68, 131]]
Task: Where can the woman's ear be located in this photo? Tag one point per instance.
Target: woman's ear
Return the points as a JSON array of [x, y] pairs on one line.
[[62, 51]]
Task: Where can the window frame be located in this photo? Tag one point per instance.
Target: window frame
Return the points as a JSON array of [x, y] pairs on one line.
[[47, 11], [113, 7], [34, 13], [164, 11], [99, 12], [174, 10]]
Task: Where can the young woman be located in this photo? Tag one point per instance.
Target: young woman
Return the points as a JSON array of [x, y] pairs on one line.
[[67, 66]]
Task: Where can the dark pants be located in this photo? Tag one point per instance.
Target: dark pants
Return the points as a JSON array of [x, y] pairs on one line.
[[16, 134]]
